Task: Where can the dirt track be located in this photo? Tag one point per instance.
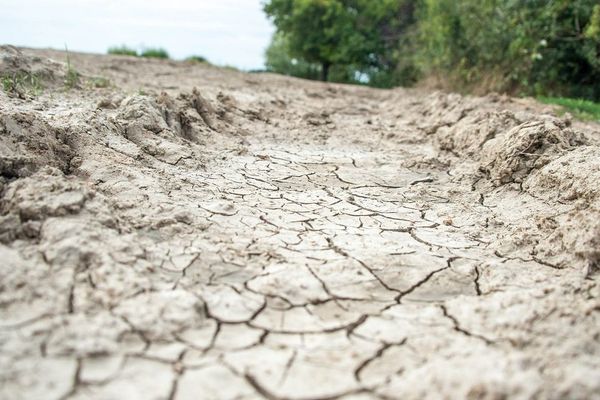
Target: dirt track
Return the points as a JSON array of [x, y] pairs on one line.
[[196, 233]]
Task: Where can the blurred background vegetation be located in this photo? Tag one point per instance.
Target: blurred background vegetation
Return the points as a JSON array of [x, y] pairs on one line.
[[150, 52], [522, 47]]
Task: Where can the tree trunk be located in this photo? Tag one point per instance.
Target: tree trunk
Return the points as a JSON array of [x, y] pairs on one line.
[[325, 71]]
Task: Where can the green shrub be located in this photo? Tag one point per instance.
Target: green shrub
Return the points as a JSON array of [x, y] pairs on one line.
[[155, 53], [122, 51], [199, 59], [522, 47]]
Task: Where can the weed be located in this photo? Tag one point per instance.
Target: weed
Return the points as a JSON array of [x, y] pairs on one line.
[[72, 76], [155, 53], [35, 84], [582, 109], [9, 83], [21, 84], [122, 51]]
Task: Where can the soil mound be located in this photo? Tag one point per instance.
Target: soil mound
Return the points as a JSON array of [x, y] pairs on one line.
[[573, 179], [23, 75], [30, 142], [572, 176], [512, 156]]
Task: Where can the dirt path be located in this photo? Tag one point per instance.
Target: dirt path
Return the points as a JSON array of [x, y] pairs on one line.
[[265, 237]]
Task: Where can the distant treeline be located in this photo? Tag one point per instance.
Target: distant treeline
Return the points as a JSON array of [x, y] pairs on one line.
[[536, 47]]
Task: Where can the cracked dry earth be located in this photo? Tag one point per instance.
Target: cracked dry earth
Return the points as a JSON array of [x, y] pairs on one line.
[[191, 232]]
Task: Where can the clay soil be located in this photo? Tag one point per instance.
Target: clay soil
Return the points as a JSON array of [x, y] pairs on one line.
[[174, 230]]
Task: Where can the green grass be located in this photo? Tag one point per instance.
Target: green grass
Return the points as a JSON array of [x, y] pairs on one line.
[[122, 51], [582, 109], [71, 76], [21, 84], [155, 53]]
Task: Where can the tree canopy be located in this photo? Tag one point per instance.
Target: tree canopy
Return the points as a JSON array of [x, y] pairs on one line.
[[542, 47], [357, 33]]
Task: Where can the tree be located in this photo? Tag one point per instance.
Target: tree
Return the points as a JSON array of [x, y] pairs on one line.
[[363, 34], [278, 60], [314, 29]]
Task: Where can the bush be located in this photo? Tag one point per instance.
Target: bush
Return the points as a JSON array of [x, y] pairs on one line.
[[122, 51], [521, 47], [199, 59], [155, 53]]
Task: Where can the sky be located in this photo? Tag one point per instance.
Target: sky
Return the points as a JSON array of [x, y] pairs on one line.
[[227, 32]]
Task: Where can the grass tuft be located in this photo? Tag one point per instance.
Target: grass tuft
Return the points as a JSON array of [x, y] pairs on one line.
[[155, 53], [122, 50], [72, 76], [582, 109], [21, 84]]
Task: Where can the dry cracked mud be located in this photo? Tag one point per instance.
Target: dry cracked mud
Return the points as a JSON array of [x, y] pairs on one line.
[[189, 232]]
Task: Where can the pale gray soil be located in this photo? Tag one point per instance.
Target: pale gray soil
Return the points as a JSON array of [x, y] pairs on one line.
[[197, 233]]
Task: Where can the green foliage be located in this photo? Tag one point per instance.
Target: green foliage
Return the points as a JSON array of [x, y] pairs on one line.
[[122, 50], [278, 60], [592, 31], [151, 52], [360, 35], [583, 109], [155, 53], [526, 47], [315, 29], [21, 84], [9, 84], [198, 59], [523, 47]]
